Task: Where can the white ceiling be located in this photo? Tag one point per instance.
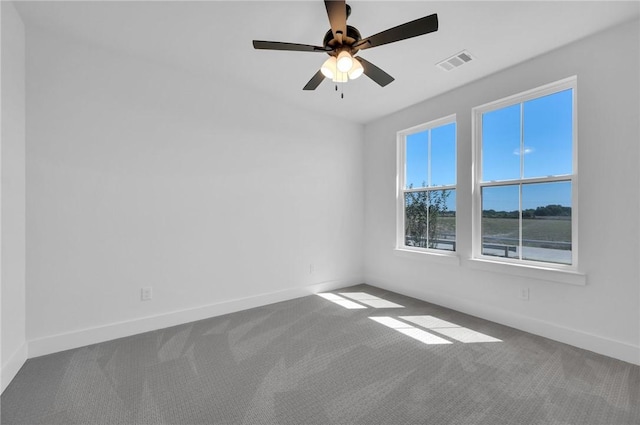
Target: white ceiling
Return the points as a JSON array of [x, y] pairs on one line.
[[213, 38]]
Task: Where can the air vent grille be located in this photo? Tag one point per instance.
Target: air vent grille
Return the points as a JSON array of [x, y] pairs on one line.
[[456, 60]]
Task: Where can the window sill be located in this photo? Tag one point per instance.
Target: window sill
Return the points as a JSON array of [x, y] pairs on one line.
[[444, 258], [542, 273]]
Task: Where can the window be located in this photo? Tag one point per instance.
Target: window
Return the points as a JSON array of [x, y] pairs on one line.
[[427, 186], [526, 177]]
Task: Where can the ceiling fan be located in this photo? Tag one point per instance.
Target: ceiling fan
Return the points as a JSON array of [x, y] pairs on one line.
[[342, 42]]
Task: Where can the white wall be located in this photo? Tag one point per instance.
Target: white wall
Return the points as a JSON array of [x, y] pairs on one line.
[[14, 349], [139, 175], [603, 315]]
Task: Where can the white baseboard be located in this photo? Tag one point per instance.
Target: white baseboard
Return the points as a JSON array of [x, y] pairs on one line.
[[596, 343], [11, 367], [94, 335]]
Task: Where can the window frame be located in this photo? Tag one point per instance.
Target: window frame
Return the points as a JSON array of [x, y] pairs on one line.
[[478, 184], [401, 137]]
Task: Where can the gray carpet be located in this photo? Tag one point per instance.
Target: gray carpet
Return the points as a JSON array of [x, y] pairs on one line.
[[312, 361]]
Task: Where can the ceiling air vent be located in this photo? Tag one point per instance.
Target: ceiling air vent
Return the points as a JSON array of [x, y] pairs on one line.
[[456, 60]]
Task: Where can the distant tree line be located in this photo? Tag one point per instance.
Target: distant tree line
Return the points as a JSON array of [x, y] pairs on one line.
[[552, 210]]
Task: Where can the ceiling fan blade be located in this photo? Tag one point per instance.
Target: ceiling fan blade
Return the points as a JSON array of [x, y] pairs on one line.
[[375, 73], [277, 45], [314, 82], [337, 12], [401, 32]]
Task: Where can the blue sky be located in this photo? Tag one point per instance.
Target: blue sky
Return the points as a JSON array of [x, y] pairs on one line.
[[442, 161], [546, 126]]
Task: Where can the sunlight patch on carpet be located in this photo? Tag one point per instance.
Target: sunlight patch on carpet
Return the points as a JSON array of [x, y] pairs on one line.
[[370, 300], [341, 301], [449, 329], [411, 331]]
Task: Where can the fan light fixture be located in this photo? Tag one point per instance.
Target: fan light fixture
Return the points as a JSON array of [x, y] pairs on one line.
[[356, 70], [331, 68], [345, 61]]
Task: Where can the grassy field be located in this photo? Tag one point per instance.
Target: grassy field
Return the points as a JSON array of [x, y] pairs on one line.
[[535, 229], [556, 230]]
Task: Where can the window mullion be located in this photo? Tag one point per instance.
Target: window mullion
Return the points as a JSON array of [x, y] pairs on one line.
[[527, 181], [521, 141], [422, 189], [429, 159], [521, 177], [428, 185], [520, 222]]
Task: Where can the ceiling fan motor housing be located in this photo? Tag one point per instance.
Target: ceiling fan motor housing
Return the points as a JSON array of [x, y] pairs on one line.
[[353, 36]]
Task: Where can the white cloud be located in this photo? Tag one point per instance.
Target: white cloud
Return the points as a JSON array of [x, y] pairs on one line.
[[527, 150]]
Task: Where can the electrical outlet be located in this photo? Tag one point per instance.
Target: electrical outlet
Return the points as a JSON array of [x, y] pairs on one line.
[[146, 293], [524, 294]]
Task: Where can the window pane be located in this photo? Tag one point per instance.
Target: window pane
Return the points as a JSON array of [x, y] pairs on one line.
[[416, 213], [442, 220], [430, 219], [546, 222], [500, 221], [416, 148], [548, 130], [501, 144], [443, 155]]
